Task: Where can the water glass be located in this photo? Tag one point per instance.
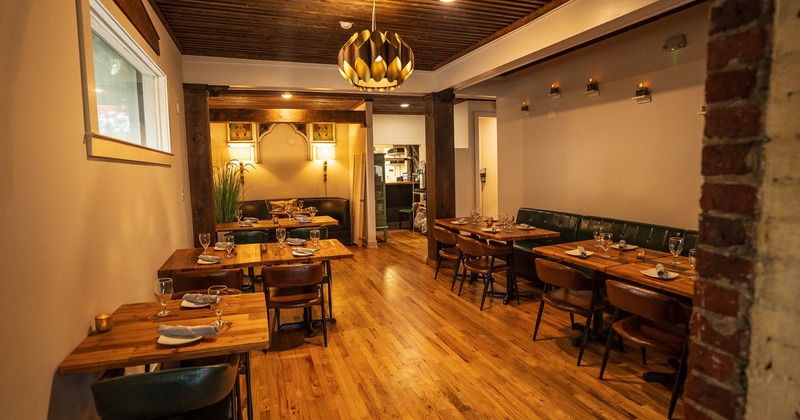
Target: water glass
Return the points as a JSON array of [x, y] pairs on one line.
[[205, 241], [693, 262], [218, 300], [675, 248], [606, 239], [300, 204], [238, 214], [163, 290], [510, 221], [312, 211], [314, 235], [280, 235], [230, 244], [597, 231]]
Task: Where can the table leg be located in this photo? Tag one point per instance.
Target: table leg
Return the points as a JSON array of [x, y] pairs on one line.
[[511, 278], [247, 385]]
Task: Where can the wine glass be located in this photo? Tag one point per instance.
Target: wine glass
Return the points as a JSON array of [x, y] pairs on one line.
[[597, 231], [289, 210], [205, 241], [510, 221], [300, 204], [693, 262], [280, 234], [606, 239], [163, 290], [218, 300], [238, 214], [314, 235], [503, 220], [312, 211], [230, 244], [675, 248]]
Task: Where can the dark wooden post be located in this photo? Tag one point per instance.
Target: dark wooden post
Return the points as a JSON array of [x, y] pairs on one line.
[[198, 151], [440, 160]]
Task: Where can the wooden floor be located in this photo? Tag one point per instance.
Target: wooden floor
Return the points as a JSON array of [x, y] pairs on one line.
[[405, 346]]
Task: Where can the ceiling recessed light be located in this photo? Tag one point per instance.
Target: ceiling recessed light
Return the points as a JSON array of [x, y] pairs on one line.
[[287, 95], [446, 1], [404, 105], [345, 25]]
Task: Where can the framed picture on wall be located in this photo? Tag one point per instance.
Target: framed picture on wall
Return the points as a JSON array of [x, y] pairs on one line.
[[242, 132], [322, 132]]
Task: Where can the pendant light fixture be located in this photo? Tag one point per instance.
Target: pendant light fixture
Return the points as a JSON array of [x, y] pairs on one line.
[[374, 60]]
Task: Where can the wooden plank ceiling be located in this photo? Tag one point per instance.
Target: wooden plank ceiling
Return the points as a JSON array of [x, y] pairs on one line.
[[308, 31]]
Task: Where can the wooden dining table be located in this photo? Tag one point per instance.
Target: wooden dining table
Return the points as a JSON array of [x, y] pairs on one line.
[[133, 339], [285, 222], [516, 233]]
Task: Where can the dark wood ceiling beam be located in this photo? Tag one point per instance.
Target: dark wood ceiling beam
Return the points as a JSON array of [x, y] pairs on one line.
[[287, 115]]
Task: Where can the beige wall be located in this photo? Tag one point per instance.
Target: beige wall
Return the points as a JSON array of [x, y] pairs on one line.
[[284, 170], [607, 155], [465, 121], [81, 236]]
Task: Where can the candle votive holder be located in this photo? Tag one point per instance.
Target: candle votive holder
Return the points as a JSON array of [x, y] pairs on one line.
[[103, 323]]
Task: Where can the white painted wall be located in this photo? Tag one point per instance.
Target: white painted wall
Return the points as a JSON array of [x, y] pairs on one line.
[[488, 146], [81, 236], [465, 120], [400, 130], [607, 155]]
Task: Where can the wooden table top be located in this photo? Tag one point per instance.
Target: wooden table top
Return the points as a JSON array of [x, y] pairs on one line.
[[286, 222], [682, 285], [133, 339], [250, 255], [327, 249], [245, 255], [595, 262], [516, 234]]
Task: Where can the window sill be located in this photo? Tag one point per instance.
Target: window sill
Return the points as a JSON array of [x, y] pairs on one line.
[[102, 147]]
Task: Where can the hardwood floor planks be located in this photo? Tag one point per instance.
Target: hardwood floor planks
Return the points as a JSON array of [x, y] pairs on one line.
[[405, 346]]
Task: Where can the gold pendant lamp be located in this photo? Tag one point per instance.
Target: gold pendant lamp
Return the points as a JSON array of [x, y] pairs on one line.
[[375, 60]]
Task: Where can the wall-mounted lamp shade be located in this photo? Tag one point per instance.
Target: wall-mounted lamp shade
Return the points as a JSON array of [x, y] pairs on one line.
[[242, 152], [324, 152]]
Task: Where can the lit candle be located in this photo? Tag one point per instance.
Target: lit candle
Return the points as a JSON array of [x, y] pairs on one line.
[[103, 323]]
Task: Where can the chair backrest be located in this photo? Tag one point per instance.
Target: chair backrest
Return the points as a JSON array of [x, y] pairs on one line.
[[562, 276], [166, 392], [255, 208], [294, 275], [304, 233], [648, 304], [445, 236], [203, 279], [476, 248], [250, 237]]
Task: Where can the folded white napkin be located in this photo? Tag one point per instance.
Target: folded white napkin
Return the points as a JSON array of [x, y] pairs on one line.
[[462, 220], [209, 258], [245, 223], [303, 252], [188, 332], [303, 219], [295, 241], [582, 250], [250, 219], [198, 298], [622, 244], [524, 225], [661, 271]]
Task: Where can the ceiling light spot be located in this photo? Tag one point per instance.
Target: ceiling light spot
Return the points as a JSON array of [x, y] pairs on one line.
[[287, 95], [404, 105], [345, 25]]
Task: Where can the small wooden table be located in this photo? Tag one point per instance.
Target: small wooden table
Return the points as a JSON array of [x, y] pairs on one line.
[[245, 256], [133, 339], [327, 249], [596, 261], [516, 234], [286, 222], [683, 285]]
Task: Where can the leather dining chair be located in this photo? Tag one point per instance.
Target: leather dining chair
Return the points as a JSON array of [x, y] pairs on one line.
[[447, 244], [569, 290], [203, 279], [295, 286], [658, 321], [483, 261], [201, 392]]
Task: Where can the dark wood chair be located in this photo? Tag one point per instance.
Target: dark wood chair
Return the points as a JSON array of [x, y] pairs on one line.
[[200, 392], [295, 286], [447, 244], [569, 290], [483, 261], [658, 322]]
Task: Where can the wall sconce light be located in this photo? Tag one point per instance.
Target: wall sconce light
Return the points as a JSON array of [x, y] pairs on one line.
[[555, 91], [324, 153], [642, 94], [592, 88], [525, 109]]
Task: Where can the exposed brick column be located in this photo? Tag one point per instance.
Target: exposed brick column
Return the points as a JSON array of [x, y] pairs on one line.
[[736, 93]]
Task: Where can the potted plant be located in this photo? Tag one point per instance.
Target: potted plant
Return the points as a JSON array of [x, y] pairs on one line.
[[228, 189]]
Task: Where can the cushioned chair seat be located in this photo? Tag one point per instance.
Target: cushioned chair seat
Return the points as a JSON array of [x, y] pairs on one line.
[[643, 333], [569, 300]]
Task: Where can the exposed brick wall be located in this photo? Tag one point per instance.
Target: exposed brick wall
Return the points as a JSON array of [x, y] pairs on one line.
[[736, 93]]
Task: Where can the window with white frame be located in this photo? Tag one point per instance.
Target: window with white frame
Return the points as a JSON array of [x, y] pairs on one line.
[[125, 93]]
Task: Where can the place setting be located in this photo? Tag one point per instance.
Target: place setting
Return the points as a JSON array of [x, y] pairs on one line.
[[580, 252], [175, 335], [659, 272]]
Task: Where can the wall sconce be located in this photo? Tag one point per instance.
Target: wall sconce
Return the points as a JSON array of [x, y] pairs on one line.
[[555, 91], [239, 152], [324, 153], [592, 88], [525, 109], [642, 94]]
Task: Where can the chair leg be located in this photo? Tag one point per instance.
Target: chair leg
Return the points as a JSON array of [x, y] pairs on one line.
[[324, 322], [680, 376], [585, 335], [644, 355], [538, 319], [246, 356], [438, 264], [330, 285], [455, 271], [572, 321], [608, 344], [463, 278], [487, 281]]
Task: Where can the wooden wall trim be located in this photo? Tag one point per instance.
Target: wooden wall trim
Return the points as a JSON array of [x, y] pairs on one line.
[[288, 116], [135, 11]]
